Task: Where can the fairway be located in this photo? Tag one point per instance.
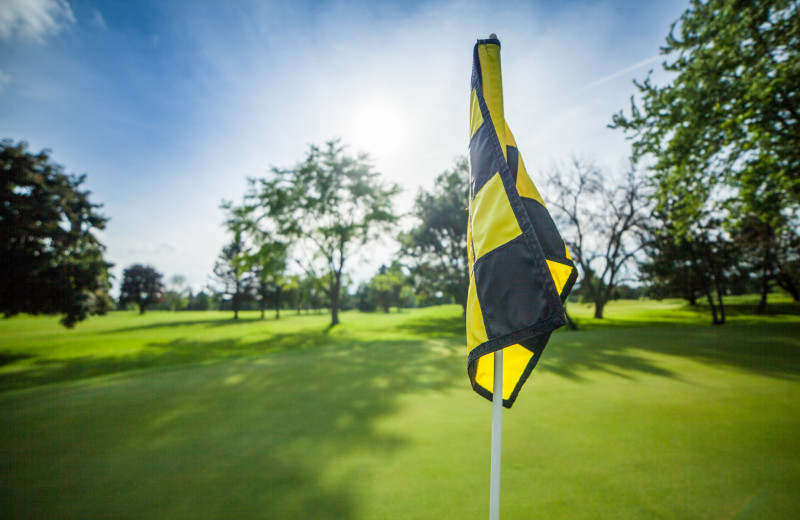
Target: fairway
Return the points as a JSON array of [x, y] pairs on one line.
[[650, 414]]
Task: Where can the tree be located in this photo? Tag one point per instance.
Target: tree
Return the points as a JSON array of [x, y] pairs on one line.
[[387, 286], [50, 259], [141, 285], [436, 246], [176, 296], [700, 261], [599, 221], [723, 134], [199, 302], [232, 272], [328, 206], [268, 266]]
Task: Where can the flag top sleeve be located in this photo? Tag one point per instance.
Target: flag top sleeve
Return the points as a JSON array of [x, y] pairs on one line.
[[520, 272]]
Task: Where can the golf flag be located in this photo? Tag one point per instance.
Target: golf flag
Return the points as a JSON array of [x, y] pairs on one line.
[[520, 270]]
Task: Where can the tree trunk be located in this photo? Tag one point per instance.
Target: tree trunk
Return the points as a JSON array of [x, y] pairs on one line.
[[141, 308], [262, 306], [278, 304], [335, 300], [721, 308], [714, 318], [598, 309], [762, 303], [236, 306]]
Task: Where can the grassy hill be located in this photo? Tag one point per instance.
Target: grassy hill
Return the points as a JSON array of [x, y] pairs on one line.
[[651, 413]]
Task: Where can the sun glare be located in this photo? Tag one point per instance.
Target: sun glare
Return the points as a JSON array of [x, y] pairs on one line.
[[379, 127]]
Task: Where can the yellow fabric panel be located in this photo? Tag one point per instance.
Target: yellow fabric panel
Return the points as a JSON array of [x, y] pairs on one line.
[[560, 274], [492, 81], [475, 116], [493, 220], [525, 186], [484, 375], [515, 360], [476, 330], [510, 141]]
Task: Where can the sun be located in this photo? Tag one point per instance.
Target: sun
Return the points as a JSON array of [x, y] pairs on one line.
[[379, 127]]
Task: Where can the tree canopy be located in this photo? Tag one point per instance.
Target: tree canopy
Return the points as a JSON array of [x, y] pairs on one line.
[[722, 136], [328, 207], [50, 259], [436, 246], [141, 285]]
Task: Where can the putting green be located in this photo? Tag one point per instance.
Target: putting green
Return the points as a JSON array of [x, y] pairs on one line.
[[375, 419]]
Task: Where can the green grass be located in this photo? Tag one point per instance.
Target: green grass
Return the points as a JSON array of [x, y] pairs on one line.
[[650, 414]]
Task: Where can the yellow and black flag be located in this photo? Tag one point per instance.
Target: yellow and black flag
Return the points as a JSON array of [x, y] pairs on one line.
[[520, 269]]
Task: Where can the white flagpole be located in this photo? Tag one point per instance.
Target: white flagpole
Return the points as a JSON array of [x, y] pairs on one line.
[[497, 437]]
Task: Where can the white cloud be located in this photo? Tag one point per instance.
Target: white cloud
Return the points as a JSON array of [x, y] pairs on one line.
[[97, 19], [33, 19]]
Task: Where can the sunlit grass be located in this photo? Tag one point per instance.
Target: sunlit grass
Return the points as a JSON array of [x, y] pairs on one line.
[[652, 413]]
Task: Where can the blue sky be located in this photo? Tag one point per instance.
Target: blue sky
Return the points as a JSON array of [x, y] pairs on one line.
[[169, 106]]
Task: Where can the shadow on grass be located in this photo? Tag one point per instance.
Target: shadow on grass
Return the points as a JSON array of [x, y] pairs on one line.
[[436, 327], [765, 348], [259, 437], [7, 359], [213, 322], [699, 314], [160, 354]]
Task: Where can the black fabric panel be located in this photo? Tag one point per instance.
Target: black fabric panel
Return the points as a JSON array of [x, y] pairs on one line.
[[513, 160], [482, 165], [549, 238], [503, 279]]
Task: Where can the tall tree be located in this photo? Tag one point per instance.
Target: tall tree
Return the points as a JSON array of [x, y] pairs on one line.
[[50, 259], [141, 285], [328, 206], [435, 248], [728, 119], [600, 220], [268, 265], [232, 272]]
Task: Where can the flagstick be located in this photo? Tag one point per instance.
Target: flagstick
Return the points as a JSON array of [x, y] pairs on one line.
[[497, 437]]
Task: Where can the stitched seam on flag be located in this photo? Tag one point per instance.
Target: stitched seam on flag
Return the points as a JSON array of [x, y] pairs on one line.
[[523, 378], [573, 277], [507, 403], [472, 271], [487, 347], [560, 259], [531, 240]]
